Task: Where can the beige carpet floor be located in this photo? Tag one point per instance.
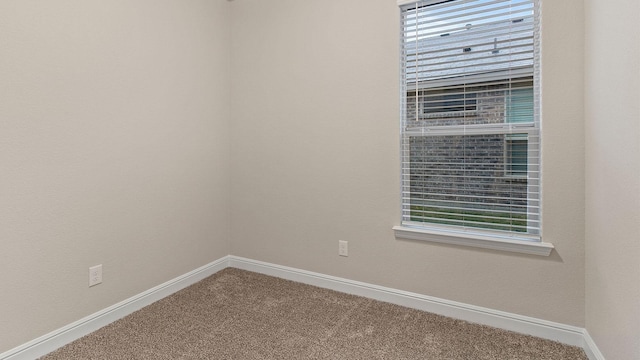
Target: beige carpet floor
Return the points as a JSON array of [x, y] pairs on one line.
[[236, 314]]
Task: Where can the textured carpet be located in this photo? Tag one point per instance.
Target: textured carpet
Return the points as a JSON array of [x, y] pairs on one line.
[[236, 314]]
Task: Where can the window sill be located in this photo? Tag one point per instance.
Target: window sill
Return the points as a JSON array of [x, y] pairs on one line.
[[480, 241]]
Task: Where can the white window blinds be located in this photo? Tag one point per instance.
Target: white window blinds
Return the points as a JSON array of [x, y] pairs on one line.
[[470, 118]]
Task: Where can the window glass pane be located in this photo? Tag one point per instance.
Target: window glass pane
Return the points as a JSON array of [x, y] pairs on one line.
[[492, 102], [452, 180]]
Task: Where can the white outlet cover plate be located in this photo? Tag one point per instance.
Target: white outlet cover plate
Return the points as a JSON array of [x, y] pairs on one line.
[[95, 275], [343, 248]]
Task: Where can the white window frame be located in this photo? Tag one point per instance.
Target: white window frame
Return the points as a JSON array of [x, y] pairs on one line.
[[528, 244]]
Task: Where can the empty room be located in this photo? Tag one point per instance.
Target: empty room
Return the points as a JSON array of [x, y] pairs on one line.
[[319, 179]]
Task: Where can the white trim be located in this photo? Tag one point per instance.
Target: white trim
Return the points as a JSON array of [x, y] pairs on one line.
[[474, 240], [58, 338], [566, 334], [405, 2], [590, 347]]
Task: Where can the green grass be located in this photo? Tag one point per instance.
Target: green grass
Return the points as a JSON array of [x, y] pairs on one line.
[[470, 218]]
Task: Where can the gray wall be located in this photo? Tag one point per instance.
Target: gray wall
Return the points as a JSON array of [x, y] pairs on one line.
[[315, 157], [612, 102], [113, 150]]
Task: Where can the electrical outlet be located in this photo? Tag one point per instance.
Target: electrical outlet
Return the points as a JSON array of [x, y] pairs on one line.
[[95, 275], [343, 248]]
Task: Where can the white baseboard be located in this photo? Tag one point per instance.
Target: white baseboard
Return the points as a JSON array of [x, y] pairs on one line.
[[566, 334], [591, 348], [58, 338]]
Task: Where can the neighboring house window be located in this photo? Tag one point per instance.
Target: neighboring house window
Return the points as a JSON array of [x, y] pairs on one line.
[[519, 110], [516, 152], [446, 102], [470, 119]]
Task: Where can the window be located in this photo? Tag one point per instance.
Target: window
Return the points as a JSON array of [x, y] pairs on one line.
[[516, 156], [470, 124], [446, 102], [519, 103]]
